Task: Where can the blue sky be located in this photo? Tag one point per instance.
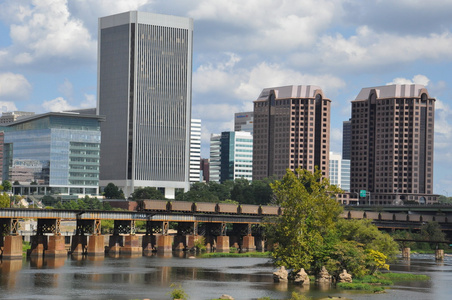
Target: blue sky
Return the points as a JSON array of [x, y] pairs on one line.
[[48, 51]]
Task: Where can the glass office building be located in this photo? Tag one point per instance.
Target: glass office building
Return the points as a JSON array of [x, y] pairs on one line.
[[231, 156], [144, 90], [52, 153]]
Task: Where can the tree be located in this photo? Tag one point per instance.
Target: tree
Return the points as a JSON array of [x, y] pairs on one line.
[[199, 192], [431, 231], [262, 192], [368, 235], [5, 201], [303, 233], [147, 193], [6, 185], [111, 191], [221, 191], [242, 191]]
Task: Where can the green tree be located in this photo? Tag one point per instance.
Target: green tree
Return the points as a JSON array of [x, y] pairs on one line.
[[199, 192], [5, 201], [431, 231], [348, 255], [111, 191], [6, 185], [368, 235], [147, 193], [302, 233], [221, 190], [262, 191], [242, 191]]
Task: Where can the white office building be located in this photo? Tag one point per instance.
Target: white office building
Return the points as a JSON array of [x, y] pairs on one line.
[[144, 91], [340, 171], [195, 151]]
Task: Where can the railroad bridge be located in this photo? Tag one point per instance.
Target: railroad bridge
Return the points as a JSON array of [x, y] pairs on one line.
[[220, 227]]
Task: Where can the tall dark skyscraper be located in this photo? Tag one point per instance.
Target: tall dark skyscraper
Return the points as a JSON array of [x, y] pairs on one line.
[[392, 144], [144, 90], [346, 139], [291, 130]]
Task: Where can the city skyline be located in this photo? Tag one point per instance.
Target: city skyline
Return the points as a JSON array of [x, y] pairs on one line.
[[48, 56]]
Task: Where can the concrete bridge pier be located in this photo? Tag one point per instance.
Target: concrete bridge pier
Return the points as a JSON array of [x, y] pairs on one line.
[[222, 239], [192, 240], [183, 231], [56, 246], [42, 245], [222, 243], [165, 241], [96, 245], [11, 245], [439, 254], [38, 245], [248, 243], [79, 241], [116, 241], [96, 242], [132, 245], [406, 253], [148, 243]]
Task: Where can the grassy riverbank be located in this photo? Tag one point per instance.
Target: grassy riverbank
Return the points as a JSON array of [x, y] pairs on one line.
[[377, 283]]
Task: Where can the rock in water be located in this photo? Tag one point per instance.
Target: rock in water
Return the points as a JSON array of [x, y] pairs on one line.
[[302, 277], [280, 275], [345, 277], [324, 276]]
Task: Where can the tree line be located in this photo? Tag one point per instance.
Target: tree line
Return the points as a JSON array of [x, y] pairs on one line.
[[241, 190]]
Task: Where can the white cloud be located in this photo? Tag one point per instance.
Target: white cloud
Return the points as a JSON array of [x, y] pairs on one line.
[[266, 75], [7, 106], [221, 112], [57, 104], [216, 77], [89, 102], [265, 25], [66, 88], [14, 86], [43, 31], [371, 51], [417, 79], [61, 104], [89, 11]]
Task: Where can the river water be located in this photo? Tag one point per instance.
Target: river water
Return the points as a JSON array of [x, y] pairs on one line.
[[202, 278]]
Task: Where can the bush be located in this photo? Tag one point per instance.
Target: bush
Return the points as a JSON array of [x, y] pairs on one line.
[[178, 292]]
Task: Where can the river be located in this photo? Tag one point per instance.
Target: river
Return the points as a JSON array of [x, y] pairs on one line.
[[202, 278]]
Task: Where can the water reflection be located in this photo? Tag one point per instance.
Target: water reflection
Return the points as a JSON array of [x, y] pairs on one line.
[[8, 272], [99, 277]]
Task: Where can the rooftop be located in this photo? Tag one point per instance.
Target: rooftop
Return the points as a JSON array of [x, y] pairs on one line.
[[392, 91]]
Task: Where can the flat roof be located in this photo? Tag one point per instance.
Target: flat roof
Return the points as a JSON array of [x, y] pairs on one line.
[[57, 114]]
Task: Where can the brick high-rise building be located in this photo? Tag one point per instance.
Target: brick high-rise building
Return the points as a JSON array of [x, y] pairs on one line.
[[291, 130], [392, 144]]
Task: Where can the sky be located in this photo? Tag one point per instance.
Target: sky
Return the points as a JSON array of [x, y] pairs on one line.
[[48, 55]]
